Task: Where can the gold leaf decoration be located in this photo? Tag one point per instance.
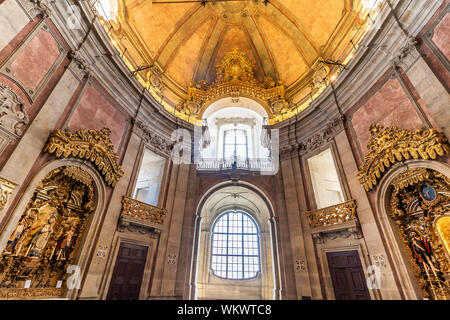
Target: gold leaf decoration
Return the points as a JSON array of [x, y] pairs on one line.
[[390, 145], [332, 215], [92, 145], [235, 78], [142, 211]]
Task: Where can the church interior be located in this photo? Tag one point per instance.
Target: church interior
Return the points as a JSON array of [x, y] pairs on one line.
[[225, 149]]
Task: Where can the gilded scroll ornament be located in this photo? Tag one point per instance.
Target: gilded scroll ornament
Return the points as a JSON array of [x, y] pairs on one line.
[[390, 145], [235, 78], [92, 145], [142, 211], [332, 215], [46, 239], [419, 197]]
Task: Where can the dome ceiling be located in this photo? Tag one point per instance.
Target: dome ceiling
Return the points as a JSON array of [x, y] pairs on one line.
[[285, 40]]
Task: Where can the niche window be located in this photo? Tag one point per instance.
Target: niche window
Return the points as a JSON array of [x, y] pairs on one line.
[[325, 180], [235, 246], [235, 144], [150, 176]]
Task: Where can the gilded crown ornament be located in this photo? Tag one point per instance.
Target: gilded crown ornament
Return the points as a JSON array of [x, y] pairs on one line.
[[92, 145], [235, 77], [390, 145]]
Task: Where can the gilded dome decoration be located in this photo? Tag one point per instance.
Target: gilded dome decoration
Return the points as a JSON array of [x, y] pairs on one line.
[[302, 44]]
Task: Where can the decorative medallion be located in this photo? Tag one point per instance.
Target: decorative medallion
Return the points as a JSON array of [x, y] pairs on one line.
[[390, 145], [92, 145]]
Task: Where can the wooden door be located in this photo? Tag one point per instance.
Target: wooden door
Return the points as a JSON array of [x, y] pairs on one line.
[[347, 275], [128, 271]]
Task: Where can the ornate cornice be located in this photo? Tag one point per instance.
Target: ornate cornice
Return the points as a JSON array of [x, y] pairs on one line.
[[92, 145], [151, 137], [13, 114], [390, 145], [312, 142], [37, 8]]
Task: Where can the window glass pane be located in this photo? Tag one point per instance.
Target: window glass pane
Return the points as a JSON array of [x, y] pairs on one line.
[[235, 246], [150, 177], [235, 143], [325, 180]]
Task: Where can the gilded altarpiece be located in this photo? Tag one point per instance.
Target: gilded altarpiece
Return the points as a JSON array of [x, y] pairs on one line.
[[419, 197], [44, 244]]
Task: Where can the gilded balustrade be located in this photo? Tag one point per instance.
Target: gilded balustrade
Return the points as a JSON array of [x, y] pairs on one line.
[[332, 215], [142, 211]]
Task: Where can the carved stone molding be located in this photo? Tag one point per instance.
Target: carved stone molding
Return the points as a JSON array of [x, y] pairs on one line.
[[314, 141], [92, 145], [390, 145], [13, 116], [6, 188], [129, 226], [162, 144], [407, 55], [78, 65], [36, 8], [344, 230]]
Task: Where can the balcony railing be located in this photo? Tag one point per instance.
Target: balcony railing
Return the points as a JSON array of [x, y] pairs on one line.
[[142, 211], [256, 164], [333, 215]]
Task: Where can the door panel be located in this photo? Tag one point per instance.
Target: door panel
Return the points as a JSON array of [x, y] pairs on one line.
[[128, 271], [347, 275]]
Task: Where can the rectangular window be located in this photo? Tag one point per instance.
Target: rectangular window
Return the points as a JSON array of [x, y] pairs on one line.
[[325, 180], [235, 144], [150, 176]]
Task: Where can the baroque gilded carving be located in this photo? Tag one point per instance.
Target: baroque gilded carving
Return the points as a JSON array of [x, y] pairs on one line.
[[47, 236], [390, 145], [142, 211], [234, 77], [419, 197], [92, 145], [13, 116], [332, 215]]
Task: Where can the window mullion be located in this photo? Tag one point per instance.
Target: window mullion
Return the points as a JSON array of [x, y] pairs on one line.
[[242, 243]]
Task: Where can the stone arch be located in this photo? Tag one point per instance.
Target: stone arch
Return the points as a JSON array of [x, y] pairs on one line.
[[408, 282], [86, 245], [203, 222]]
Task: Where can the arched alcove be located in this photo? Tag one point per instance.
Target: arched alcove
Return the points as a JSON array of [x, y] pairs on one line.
[[219, 201], [77, 170], [407, 272]]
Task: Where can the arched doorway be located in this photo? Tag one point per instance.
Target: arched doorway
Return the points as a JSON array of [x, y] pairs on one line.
[[235, 252]]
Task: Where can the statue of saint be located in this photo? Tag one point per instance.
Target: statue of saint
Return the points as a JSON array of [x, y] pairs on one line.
[[65, 244], [21, 230], [423, 253], [40, 239]]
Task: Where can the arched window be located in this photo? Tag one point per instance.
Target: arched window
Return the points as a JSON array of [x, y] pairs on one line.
[[235, 144], [235, 246]]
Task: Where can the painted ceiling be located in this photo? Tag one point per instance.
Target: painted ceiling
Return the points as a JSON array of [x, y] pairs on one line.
[[285, 39]]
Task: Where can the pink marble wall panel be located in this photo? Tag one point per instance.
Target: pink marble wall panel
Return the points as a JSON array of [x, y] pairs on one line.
[[441, 36], [34, 62], [389, 106], [94, 111]]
